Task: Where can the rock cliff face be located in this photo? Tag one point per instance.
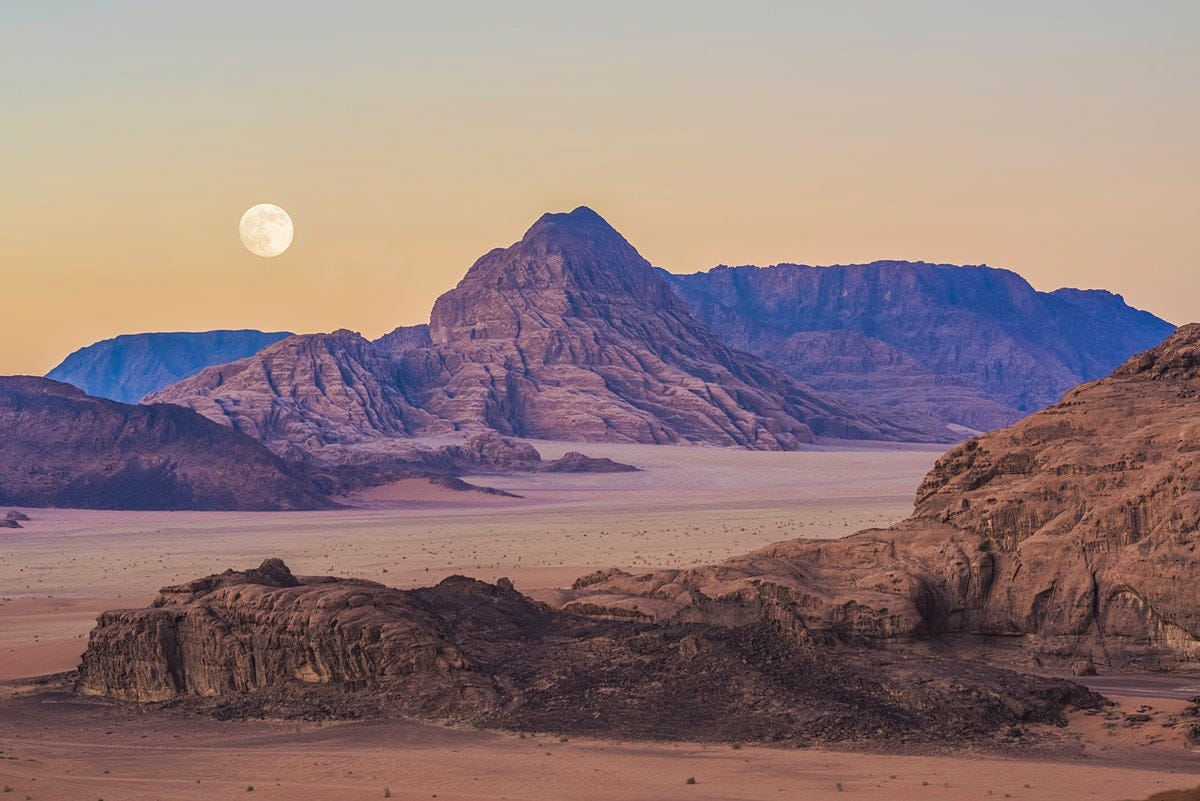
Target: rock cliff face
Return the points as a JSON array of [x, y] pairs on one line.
[[571, 334], [63, 448], [1071, 533], [129, 367], [973, 346], [265, 642]]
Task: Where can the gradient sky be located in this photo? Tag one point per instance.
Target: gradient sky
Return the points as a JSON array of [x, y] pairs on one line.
[[1057, 139]]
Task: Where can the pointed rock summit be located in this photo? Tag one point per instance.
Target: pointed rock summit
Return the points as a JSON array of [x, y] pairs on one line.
[[571, 334]]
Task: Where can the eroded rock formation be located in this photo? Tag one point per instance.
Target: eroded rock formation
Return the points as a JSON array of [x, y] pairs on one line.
[[1073, 533], [266, 642]]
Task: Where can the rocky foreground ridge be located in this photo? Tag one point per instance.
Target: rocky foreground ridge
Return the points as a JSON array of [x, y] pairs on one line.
[[266, 642], [1073, 534]]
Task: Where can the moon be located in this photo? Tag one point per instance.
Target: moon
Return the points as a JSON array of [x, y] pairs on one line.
[[266, 230]]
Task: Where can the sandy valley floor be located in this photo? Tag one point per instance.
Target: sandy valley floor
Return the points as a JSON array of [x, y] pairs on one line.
[[689, 505]]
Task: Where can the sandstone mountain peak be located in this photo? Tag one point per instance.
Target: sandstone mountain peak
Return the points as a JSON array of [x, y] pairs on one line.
[[567, 334]]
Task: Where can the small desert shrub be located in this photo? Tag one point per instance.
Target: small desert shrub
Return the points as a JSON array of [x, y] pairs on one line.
[[839, 787], [387, 793], [691, 780], [249, 788]]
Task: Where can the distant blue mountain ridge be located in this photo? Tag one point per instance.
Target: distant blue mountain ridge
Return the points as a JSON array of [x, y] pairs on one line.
[[129, 367]]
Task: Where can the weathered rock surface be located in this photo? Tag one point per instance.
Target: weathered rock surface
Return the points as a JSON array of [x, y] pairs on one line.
[[131, 366], [571, 334], [64, 448], [266, 642], [403, 339], [1073, 533], [305, 393], [973, 346]]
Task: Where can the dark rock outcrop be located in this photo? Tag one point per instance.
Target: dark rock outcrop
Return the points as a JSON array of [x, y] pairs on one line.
[[64, 448], [576, 462], [1072, 533], [973, 346], [265, 642], [131, 366]]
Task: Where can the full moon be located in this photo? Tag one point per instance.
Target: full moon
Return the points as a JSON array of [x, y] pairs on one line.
[[266, 230]]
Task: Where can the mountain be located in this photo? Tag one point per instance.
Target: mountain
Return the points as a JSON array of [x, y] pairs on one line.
[[571, 334], [568, 334], [307, 392], [266, 643], [131, 366], [973, 346], [66, 449], [1069, 534]]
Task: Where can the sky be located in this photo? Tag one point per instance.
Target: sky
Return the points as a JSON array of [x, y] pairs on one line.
[[1058, 139]]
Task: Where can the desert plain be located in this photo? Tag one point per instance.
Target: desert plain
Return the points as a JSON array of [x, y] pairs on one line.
[[686, 506]]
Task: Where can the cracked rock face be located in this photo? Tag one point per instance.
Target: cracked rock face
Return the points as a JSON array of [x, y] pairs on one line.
[[265, 642], [1073, 532]]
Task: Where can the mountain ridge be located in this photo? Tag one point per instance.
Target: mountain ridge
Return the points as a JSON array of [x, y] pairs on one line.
[[973, 345], [566, 334]]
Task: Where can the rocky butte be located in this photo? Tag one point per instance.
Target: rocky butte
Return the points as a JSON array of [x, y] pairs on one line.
[[266, 642]]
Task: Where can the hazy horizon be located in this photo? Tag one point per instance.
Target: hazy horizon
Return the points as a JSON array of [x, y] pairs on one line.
[[406, 143]]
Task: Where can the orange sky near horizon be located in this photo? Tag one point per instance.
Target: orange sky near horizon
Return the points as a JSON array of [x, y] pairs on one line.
[[405, 144]]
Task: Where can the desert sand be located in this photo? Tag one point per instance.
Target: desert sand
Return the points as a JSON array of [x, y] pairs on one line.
[[687, 506]]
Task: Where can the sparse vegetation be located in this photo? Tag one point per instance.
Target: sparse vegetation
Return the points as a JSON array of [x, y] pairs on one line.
[[691, 780]]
